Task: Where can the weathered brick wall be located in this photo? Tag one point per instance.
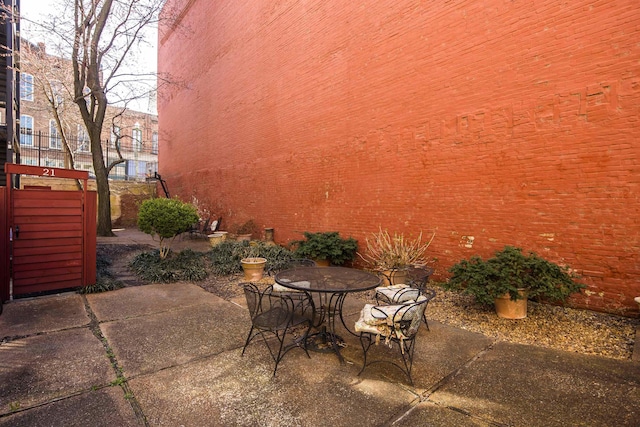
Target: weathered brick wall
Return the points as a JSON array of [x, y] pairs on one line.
[[491, 122]]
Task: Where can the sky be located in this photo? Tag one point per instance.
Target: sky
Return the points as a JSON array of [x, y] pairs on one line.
[[39, 10]]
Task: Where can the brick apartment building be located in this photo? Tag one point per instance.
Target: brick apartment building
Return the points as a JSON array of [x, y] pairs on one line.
[[40, 143]]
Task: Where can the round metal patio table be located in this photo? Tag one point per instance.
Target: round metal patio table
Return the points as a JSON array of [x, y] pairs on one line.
[[332, 284]]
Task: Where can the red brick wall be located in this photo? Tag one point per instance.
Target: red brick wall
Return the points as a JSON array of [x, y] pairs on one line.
[[491, 122]]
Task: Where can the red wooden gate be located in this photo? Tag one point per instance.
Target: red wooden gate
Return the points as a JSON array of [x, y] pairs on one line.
[[50, 236]]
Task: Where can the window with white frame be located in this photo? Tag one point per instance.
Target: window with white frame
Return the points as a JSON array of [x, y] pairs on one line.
[[54, 136], [136, 136], [26, 87], [26, 131], [154, 143], [83, 138]]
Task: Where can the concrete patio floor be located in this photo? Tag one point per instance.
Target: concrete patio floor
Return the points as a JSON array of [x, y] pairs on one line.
[[170, 355]]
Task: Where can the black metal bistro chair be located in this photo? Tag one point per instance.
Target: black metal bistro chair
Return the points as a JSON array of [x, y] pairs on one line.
[[274, 314], [416, 282], [296, 295], [200, 229], [395, 324]]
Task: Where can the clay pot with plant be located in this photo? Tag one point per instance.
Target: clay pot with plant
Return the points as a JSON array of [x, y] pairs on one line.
[[246, 231], [510, 278], [393, 255]]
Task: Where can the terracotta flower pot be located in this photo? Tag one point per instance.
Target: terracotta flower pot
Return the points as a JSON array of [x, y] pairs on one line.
[[217, 237], [394, 277], [510, 309], [253, 268], [322, 262]]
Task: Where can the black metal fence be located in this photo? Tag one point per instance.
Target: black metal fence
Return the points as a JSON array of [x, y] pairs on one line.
[[42, 149]]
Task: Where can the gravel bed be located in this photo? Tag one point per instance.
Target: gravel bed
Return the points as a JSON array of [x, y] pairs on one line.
[[579, 331]]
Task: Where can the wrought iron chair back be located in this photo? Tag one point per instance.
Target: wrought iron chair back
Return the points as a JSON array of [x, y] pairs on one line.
[[398, 325], [200, 229], [304, 297], [274, 314], [416, 278]]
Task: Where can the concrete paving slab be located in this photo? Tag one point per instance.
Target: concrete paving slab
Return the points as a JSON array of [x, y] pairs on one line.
[[234, 390], [180, 347], [157, 341], [148, 299], [40, 368], [439, 352], [106, 407], [24, 317], [433, 415], [525, 385]]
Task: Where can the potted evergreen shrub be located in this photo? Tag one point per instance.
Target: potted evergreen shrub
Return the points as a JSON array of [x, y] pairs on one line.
[[327, 247], [392, 256], [511, 277]]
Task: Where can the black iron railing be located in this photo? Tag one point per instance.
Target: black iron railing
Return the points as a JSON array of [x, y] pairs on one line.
[[41, 149]]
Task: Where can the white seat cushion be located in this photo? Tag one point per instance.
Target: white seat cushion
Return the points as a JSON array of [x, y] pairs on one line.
[[398, 294], [302, 284], [279, 288]]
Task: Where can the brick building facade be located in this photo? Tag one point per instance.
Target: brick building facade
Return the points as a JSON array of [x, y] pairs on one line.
[[40, 138], [493, 123]]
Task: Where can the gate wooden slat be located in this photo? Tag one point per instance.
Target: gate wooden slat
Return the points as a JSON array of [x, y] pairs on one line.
[[43, 250], [49, 234], [52, 205], [35, 219], [29, 273], [56, 276], [47, 243], [60, 259], [43, 194], [63, 226], [52, 212], [43, 287]]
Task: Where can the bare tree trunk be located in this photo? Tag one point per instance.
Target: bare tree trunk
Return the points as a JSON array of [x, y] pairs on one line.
[[104, 193], [104, 206]]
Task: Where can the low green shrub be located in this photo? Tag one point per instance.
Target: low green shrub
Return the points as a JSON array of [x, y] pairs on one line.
[[510, 270], [326, 246], [105, 280], [186, 265], [225, 257], [166, 218]]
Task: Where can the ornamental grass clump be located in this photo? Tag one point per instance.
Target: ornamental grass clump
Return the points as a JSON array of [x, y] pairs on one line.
[[388, 253], [187, 265], [225, 257]]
